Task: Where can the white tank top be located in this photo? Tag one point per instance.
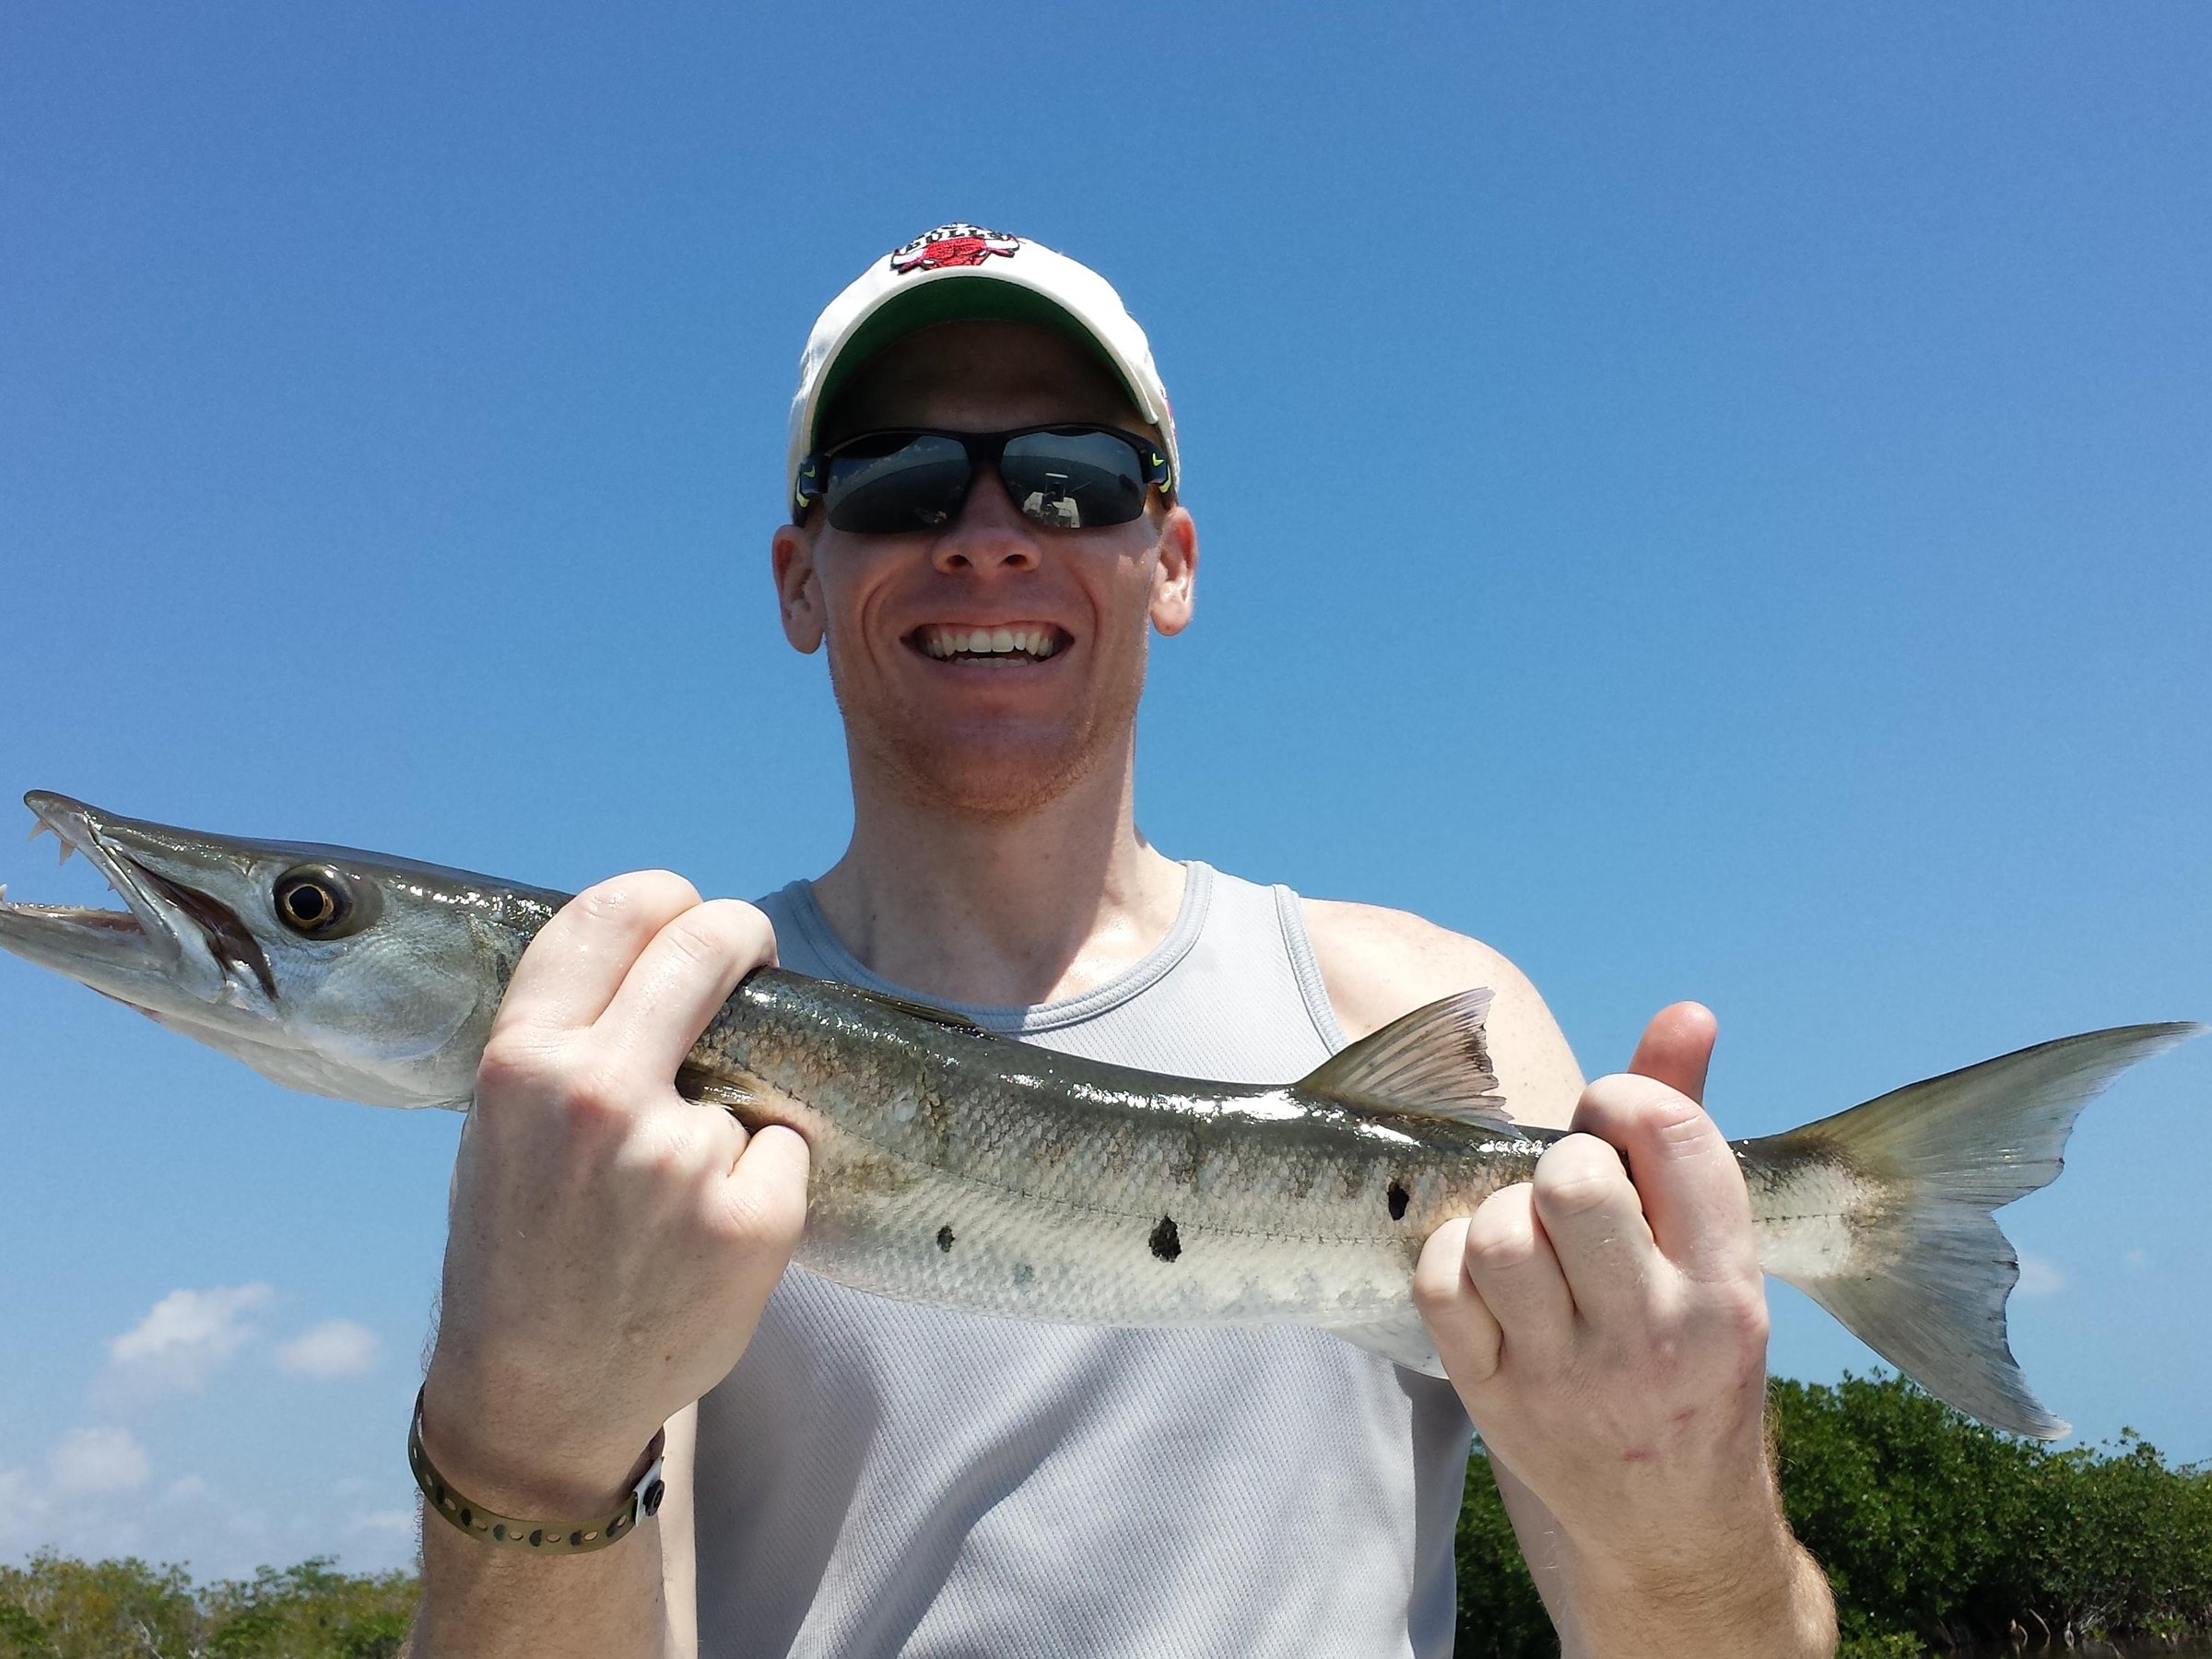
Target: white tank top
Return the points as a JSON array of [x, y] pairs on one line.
[[877, 1477]]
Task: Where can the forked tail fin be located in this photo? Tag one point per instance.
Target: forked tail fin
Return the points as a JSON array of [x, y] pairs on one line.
[[1881, 1214]]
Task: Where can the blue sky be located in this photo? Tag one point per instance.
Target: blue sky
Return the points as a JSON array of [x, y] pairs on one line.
[[1713, 499]]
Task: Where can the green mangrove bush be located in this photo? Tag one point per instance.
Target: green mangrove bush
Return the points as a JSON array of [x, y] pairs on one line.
[[58, 1608], [1935, 1531]]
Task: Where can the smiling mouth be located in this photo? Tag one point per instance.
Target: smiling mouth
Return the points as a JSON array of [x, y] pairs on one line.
[[1002, 646]]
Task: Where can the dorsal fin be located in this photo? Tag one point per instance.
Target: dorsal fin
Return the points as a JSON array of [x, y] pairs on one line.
[[1434, 1061], [921, 1010]]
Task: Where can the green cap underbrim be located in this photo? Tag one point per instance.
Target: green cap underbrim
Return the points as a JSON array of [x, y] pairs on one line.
[[955, 299]]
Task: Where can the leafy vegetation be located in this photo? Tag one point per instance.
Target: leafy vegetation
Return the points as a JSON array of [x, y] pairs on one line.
[[1934, 1531], [59, 1608]]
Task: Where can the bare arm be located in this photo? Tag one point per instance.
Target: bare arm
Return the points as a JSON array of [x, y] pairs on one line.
[[1609, 1341], [476, 1589], [612, 1246]]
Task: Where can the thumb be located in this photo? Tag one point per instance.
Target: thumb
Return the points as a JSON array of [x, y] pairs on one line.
[[1677, 1047]]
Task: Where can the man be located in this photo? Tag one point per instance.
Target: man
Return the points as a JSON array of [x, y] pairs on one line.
[[864, 1477]]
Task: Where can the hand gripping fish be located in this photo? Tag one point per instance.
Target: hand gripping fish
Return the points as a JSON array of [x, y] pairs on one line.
[[953, 1167]]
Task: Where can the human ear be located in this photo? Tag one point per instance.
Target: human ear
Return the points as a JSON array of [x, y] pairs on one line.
[[798, 588], [1175, 572]]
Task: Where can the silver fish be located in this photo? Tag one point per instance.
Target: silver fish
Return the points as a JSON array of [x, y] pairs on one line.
[[957, 1167]]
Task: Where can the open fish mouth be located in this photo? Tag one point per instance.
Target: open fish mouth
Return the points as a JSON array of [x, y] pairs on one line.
[[172, 932]]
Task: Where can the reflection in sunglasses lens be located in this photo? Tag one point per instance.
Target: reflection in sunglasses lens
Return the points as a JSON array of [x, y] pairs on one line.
[[1073, 480], [919, 484], [905, 483]]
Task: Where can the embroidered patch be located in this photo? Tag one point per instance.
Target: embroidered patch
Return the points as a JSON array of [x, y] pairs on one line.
[[950, 245]]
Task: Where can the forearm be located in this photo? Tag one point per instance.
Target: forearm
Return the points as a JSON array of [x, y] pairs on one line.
[[610, 1249], [482, 1603], [1752, 1591], [1772, 1602], [482, 1600]]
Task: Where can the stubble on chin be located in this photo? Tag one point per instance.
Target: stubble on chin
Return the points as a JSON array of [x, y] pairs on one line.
[[974, 771]]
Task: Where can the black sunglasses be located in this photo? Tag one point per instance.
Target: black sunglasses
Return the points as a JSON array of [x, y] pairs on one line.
[[914, 480]]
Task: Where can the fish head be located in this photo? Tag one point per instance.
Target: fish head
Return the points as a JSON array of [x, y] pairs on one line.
[[341, 972]]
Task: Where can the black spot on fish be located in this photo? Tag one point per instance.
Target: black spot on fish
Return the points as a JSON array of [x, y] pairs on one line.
[[944, 1238], [1023, 1273], [1167, 1243], [1398, 1200]]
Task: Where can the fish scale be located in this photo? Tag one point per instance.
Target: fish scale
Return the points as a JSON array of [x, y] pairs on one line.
[[952, 1167], [1054, 1178]]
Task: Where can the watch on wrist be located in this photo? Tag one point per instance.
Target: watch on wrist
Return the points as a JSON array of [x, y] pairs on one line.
[[642, 1500]]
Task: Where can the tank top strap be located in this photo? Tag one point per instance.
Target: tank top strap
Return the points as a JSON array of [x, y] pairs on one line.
[[1232, 991]]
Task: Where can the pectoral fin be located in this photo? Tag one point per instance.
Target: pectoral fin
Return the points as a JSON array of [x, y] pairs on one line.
[[1402, 1342]]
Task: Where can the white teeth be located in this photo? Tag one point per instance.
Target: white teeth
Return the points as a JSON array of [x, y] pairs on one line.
[[1034, 643]]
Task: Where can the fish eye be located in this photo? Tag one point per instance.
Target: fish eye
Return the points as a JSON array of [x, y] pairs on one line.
[[319, 902]]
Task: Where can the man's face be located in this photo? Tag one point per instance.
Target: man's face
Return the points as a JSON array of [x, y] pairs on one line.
[[1000, 735]]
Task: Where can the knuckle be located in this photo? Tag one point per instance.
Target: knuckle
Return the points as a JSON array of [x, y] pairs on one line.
[[1678, 1125], [636, 892], [1502, 1234], [597, 1094], [665, 1147], [1579, 1174], [1570, 1196], [693, 937], [744, 928], [718, 933], [511, 1065], [1740, 1310]]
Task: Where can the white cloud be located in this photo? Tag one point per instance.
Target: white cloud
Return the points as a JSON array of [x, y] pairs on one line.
[[336, 1348], [2136, 1260], [392, 1520], [2039, 1276], [188, 1337], [99, 1460], [186, 1488], [22, 1509]]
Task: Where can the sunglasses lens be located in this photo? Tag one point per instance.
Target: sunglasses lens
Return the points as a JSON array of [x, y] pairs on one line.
[[896, 484], [1075, 480]]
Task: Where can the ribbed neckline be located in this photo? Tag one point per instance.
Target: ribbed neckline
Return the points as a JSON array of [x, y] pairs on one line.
[[1019, 1021]]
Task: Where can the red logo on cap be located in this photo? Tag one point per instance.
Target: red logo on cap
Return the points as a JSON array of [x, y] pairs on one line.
[[950, 245]]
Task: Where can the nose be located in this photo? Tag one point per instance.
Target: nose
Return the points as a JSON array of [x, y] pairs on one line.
[[991, 534]]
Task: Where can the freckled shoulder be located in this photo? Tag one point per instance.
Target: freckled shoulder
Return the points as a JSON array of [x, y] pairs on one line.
[[1379, 963]]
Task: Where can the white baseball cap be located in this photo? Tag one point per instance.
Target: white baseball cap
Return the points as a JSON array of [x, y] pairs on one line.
[[960, 272]]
